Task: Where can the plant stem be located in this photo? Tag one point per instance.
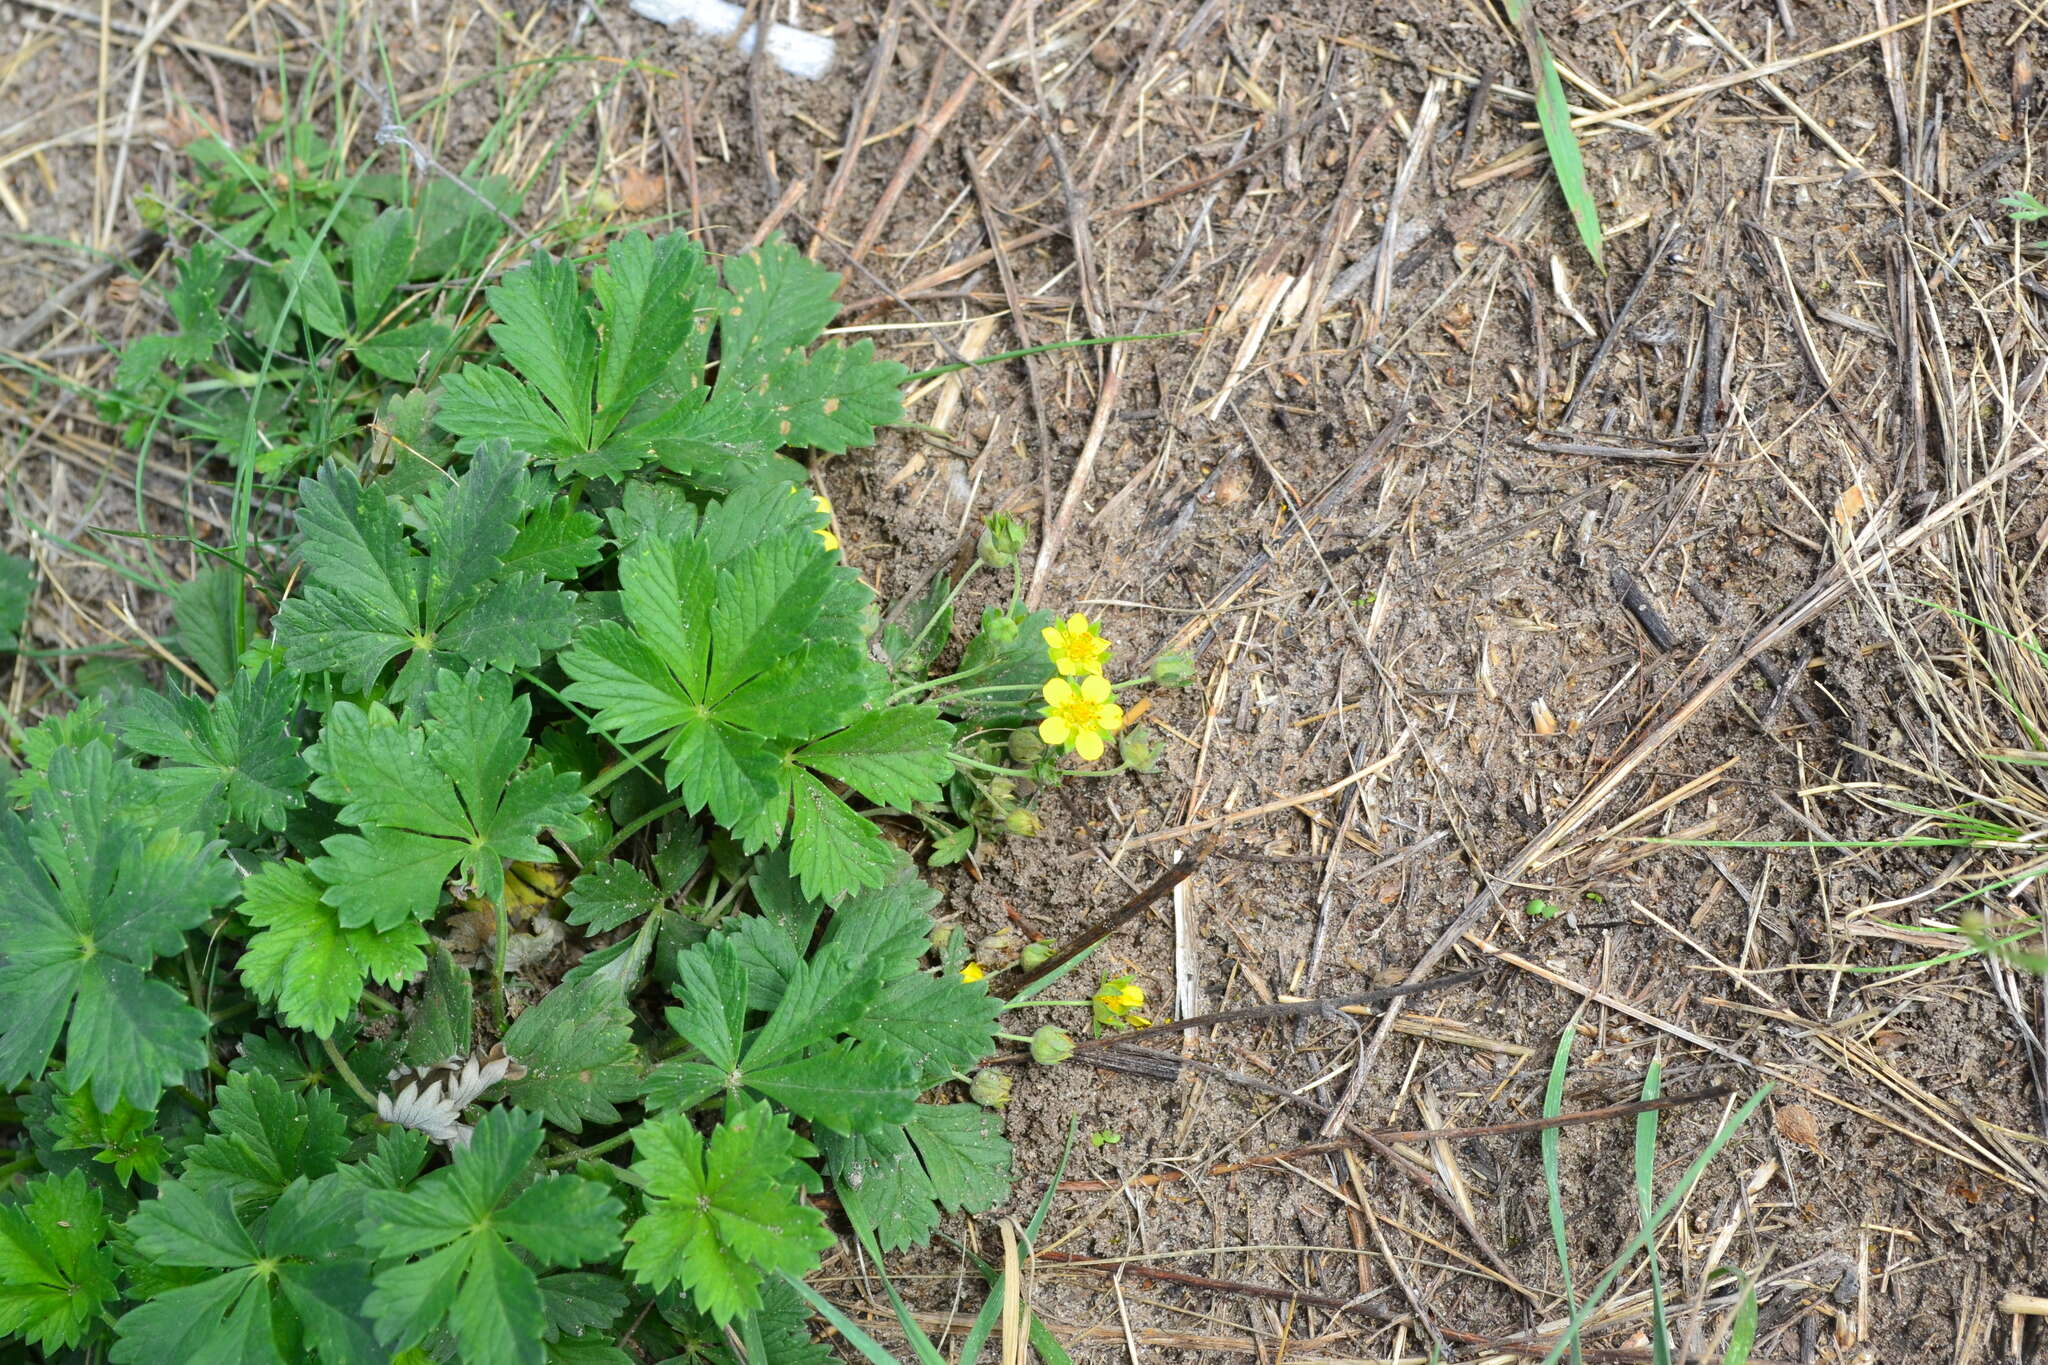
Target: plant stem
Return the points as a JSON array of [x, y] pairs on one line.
[[933, 684], [636, 759], [952, 596], [341, 1065], [634, 828], [975, 763], [498, 963], [576, 1154]]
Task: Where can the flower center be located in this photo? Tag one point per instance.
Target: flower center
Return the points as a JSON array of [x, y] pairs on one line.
[[1080, 713]]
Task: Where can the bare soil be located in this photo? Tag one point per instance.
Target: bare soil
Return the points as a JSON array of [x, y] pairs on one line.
[[1568, 501]]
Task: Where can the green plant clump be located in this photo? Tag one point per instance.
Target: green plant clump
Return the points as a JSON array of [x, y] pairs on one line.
[[500, 934]]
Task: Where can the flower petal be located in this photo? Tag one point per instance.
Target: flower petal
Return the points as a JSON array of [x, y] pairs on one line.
[[1088, 744], [1095, 688], [1110, 717], [1055, 730], [1059, 692], [1051, 637]]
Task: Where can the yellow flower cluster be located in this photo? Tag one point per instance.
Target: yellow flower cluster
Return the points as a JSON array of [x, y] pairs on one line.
[[1114, 1001], [1080, 707]]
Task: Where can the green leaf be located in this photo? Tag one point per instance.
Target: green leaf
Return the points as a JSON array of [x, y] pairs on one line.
[[371, 596], [950, 1157], [784, 300], [482, 403], [442, 1024], [605, 391], [545, 331], [304, 963], [239, 748], [797, 1058], [380, 259], [1560, 140], [317, 293], [17, 584], [460, 221], [265, 1138], [556, 541], [403, 354], [577, 1301], [898, 756], [122, 1137], [650, 293], [938, 1023], [195, 303], [211, 629], [433, 797], [832, 401], [288, 1286], [577, 1047], [56, 1277], [831, 848], [467, 1220], [743, 646], [722, 1216], [610, 894], [96, 893]]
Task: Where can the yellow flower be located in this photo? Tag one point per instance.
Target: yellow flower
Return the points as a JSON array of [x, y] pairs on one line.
[[1077, 648], [824, 533], [1079, 717], [1114, 1000], [972, 972]]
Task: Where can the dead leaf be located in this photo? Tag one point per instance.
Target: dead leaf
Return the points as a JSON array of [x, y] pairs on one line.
[[1850, 505], [642, 190], [183, 127], [1797, 1125]]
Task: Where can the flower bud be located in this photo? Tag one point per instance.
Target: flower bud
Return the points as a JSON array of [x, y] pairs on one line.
[[942, 936], [1002, 536], [1036, 954], [1173, 670], [1022, 823], [1025, 745], [1000, 627], [1051, 1045], [1140, 749], [990, 1088]]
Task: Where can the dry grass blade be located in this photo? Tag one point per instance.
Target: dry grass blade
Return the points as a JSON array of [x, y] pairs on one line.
[[1560, 140]]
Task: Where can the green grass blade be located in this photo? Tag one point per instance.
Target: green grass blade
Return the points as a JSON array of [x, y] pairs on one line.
[[1646, 1198], [1553, 1183], [920, 1344], [984, 1325], [1742, 1337], [1664, 1210], [1052, 1186], [871, 1350], [1560, 140]]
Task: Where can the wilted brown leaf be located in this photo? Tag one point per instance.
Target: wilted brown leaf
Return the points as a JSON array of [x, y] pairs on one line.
[[641, 190], [1797, 1125]]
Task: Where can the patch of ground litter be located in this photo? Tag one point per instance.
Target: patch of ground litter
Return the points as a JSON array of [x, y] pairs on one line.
[[1528, 604]]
